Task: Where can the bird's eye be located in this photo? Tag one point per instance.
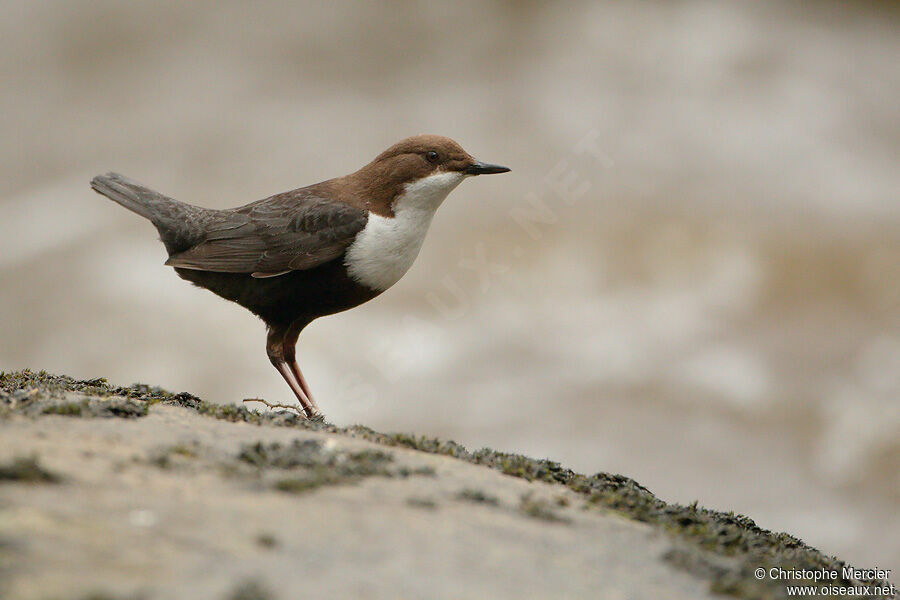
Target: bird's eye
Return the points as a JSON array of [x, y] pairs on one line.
[[431, 156]]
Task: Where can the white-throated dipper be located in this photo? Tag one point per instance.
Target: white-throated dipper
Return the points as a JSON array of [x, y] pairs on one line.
[[313, 251]]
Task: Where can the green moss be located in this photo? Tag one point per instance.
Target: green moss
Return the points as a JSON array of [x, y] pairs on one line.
[[422, 443], [173, 456], [162, 460], [123, 409], [305, 465], [68, 409], [425, 503], [114, 407], [26, 470], [58, 385], [267, 541], [300, 485], [40, 393], [477, 496], [540, 509], [227, 412], [185, 450], [410, 471]]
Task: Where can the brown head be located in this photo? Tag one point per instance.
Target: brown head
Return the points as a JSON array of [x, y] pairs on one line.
[[431, 165]]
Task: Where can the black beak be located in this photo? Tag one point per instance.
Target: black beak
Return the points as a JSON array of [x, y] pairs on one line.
[[480, 168]]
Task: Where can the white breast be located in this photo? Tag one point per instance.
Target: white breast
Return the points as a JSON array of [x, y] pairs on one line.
[[386, 248]]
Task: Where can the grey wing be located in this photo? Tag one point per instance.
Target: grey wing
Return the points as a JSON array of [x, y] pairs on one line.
[[289, 232]]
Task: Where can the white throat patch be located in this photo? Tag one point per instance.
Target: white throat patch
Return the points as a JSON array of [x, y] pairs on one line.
[[386, 248]]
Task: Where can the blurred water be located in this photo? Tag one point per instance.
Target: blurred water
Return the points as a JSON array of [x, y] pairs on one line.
[[692, 275]]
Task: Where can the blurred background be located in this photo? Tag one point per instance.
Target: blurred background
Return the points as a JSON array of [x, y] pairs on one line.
[[691, 276]]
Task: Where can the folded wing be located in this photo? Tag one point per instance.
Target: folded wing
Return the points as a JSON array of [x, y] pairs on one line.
[[293, 231]]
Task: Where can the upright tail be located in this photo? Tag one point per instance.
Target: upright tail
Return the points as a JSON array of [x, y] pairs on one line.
[[132, 195], [179, 224]]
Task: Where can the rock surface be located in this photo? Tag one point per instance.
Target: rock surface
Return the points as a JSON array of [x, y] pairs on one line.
[[112, 492]]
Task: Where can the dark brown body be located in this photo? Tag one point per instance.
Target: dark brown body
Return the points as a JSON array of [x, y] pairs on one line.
[[289, 298]]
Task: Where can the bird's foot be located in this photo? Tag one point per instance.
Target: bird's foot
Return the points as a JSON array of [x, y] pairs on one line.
[[316, 417]]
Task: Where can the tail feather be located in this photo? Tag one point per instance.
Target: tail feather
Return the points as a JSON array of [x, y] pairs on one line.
[[179, 224], [132, 195]]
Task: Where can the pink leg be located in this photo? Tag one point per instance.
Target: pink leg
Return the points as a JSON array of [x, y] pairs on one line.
[[275, 350], [290, 356]]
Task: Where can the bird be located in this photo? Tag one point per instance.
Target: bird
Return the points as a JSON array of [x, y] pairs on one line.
[[309, 252]]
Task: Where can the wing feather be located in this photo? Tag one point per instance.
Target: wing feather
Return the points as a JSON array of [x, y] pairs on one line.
[[293, 231]]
